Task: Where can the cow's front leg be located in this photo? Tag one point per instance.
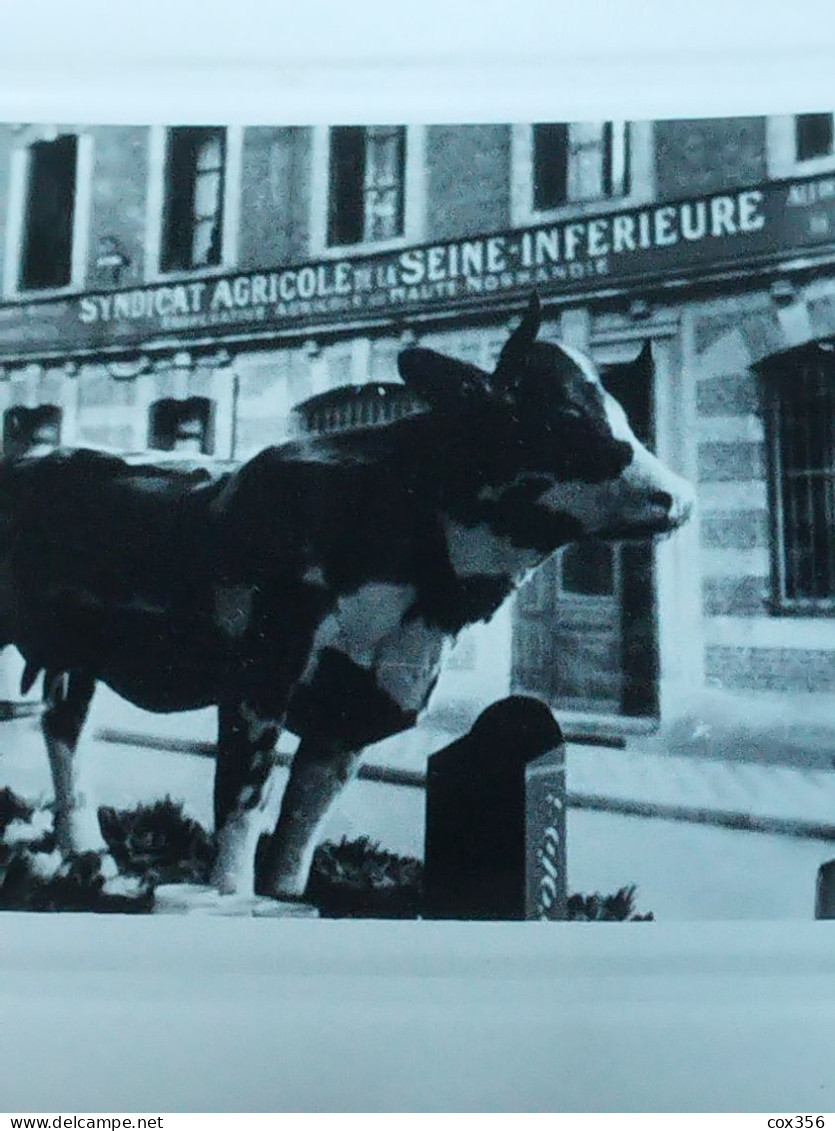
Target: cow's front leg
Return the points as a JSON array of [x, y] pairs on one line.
[[319, 773], [77, 830], [243, 792]]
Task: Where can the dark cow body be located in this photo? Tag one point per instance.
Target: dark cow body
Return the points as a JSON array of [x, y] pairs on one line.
[[314, 588]]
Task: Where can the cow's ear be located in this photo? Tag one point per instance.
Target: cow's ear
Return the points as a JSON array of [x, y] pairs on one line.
[[445, 383], [514, 355]]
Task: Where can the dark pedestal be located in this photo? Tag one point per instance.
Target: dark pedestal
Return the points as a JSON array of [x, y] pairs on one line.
[[825, 895], [495, 818]]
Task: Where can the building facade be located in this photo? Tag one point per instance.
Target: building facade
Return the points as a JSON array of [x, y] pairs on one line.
[[205, 289]]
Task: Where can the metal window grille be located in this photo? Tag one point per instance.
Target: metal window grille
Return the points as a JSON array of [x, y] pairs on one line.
[[195, 176], [814, 136], [359, 406], [803, 436]]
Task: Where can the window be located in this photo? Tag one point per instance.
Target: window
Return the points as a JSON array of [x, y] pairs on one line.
[[550, 164], [195, 174], [588, 570], [800, 144], [577, 162], [182, 426], [814, 136], [802, 386], [367, 184], [28, 428], [49, 214], [356, 406]]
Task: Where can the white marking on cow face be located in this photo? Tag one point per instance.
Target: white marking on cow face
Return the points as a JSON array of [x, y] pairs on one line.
[[646, 499], [647, 494]]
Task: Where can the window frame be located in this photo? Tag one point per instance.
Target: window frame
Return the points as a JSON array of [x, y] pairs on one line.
[[414, 197], [178, 406], [781, 149], [16, 214], [641, 188], [187, 142], [393, 134], [50, 413], [781, 604], [158, 148]]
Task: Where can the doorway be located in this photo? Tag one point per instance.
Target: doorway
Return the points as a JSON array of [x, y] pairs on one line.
[[584, 634]]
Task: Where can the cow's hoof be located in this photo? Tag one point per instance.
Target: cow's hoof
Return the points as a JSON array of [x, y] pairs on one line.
[[228, 883]]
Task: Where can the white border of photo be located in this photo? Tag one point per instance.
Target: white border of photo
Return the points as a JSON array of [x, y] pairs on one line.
[[121, 1014]]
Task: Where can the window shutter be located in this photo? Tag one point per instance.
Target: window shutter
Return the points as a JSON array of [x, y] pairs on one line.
[[347, 174], [550, 165], [50, 213]]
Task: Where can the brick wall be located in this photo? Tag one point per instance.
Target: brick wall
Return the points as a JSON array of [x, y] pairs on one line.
[[747, 647], [6, 146], [119, 199], [275, 194], [270, 384], [468, 180], [707, 155], [108, 412], [772, 669], [732, 469]]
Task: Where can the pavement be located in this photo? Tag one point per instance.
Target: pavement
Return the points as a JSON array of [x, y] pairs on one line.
[[702, 837]]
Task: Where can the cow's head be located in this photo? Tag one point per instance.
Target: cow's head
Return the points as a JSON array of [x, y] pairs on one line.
[[547, 423]]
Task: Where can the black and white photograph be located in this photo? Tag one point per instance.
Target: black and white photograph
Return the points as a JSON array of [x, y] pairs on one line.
[[419, 521], [417, 550]]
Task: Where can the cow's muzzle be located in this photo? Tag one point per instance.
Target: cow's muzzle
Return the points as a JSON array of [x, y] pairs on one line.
[[654, 512]]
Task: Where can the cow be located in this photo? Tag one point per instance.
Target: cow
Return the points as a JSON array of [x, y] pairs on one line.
[[316, 587]]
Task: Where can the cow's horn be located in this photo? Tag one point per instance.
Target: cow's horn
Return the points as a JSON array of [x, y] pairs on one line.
[[514, 354]]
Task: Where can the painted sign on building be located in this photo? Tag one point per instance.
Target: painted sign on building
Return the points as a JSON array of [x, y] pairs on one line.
[[638, 246]]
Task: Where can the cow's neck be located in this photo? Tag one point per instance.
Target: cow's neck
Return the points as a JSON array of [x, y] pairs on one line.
[[495, 529], [506, 531], [495, 532]]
